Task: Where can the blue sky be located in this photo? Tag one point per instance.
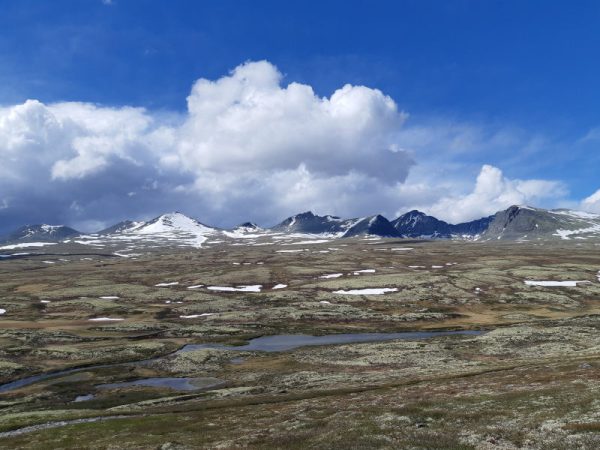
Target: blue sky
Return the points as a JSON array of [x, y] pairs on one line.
[[507, 85]]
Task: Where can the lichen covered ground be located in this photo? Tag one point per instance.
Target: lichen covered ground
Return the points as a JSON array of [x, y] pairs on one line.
[[531, 381]]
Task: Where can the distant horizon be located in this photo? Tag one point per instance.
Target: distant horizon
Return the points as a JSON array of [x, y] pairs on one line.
[[198, 219]]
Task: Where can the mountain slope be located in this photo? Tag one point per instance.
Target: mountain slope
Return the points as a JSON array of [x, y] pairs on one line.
[[527, 223], [417, 224], [309, 223], [121, 227], [375, 225]]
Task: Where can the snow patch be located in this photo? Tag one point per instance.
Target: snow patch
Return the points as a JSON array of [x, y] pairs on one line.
[[26, 245], [569, 283], [369, 291], [105, 319], [194, 316], [244, 288]]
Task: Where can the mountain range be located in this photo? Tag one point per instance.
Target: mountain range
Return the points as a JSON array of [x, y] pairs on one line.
[[517, 223]]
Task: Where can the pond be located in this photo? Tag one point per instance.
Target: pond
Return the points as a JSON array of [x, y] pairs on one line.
[[276, 343]]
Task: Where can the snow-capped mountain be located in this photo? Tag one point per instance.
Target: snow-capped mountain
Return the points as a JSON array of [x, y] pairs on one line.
[[527, 223], [121, 227], [127, 238], [375, 226], [43, 233], [173, 227], [416, 224], [246, 230], [167, 230], [307, 222], [333, 226]]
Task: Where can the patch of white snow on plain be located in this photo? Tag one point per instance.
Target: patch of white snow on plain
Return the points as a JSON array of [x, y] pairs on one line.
[[2, 311], [172, 283], [44, 301], [109, 297], [315, 241], [437, 267], [196, 286], [403, 249], [289, 251], [14, 254], [280, 286], [358, 272], [371, 291], [92, 242], [105, 319], [26, 245], [49, 262], [194, 316], [245, 288], [325, 302], [554, 283], [416, 267], [332, 275]]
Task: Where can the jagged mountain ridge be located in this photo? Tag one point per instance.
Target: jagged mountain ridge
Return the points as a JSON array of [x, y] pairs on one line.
[[309, 223], [517, 223], [416, 224]]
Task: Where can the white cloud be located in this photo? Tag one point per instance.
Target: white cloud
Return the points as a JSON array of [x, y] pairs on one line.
[[245, 137], [248, 122], [493, 192], [592, 203], [249, 147]]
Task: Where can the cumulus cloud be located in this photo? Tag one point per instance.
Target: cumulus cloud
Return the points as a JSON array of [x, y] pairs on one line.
[[493, 192], [245, 137], [248, 147], [592, 203]]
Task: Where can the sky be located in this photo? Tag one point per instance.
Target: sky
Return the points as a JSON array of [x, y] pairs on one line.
[[231, 111]]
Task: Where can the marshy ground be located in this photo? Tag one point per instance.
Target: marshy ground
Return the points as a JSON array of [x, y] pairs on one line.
[[531, 381]]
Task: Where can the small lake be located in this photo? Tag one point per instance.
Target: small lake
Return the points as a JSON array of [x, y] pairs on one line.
[[276, 343], [83, 398], [284, 342], [178, 384]]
